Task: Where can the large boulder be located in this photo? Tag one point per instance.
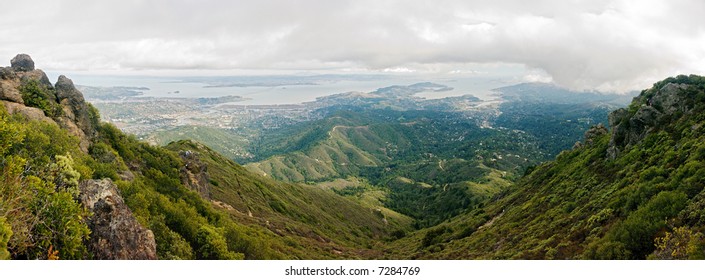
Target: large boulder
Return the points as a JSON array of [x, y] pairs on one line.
[[115, 233], [22, 63], [9, 92], [66, 90], [30, 113]]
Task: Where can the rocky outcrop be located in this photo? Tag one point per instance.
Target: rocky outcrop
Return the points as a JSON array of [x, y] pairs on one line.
[[115, 233], [9, 82], [19, 74], [594, 133], [647, 112], [10, 93], [194, 174], [76, 115], [22, 63], [22, 67], [72, 112], [30, 113]]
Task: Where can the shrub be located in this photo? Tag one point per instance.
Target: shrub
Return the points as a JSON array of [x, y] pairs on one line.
[[681, 244], [5, 234], [213, 246], [61, 222], [433, 236], [35, 95]]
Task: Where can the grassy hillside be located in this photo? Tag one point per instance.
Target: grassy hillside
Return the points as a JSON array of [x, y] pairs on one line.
[[644, 201], [430, 163], [428, 146], [226, 142], [313, 220]]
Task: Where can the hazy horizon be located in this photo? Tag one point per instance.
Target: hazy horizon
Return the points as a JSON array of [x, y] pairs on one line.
[[594, 45]]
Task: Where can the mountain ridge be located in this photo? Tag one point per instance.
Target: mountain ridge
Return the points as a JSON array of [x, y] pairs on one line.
[[591, 203], [634, 191], [72, 187]]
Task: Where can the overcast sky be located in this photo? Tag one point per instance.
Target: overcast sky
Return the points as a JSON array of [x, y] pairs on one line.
[[604, 45]]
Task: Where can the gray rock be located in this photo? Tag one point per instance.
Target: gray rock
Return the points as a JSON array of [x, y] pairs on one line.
[[6, 73], [194, 174], [669, 99], [75, 111], [115, 233], [615, 119], [656, 106], [22, 63], [593, 133], [66, 90], [616, 116]]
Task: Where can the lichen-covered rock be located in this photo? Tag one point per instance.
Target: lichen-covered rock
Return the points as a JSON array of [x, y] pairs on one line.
[[75, 111], [655, 106], [10, 93], [22, 62], [30, 113], [6, 73], [194, 174], [593, 133], [115, 233], [669, 99]]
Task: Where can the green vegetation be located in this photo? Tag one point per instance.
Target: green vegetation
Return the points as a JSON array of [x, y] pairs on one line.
[[38, 189], [309, 217], [246, 217], [430, 163], [647, 202], [556, 127], [175, 214], [227, 142], [37, 95], [5, 234], [382, 184]]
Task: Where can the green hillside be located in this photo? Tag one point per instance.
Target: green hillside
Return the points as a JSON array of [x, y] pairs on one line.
[[226, 142], [432, 165], [363, 183], [634, 193], [314, 220], [185, 201], [246, 217]]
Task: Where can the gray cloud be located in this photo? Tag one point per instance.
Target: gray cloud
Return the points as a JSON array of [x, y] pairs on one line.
[[606, 45]]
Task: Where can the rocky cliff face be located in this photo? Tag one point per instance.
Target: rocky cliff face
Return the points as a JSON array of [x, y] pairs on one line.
[[115, 233], [73, 113], [194, 174], [652, 108], [76, 115]]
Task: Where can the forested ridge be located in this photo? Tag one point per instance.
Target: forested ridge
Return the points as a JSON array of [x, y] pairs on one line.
[[73, 187]]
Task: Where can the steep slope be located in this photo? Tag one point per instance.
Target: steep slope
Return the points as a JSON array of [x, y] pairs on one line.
[[74, 188], [634, 193], [49, 206], [431, 165], [315, 218]]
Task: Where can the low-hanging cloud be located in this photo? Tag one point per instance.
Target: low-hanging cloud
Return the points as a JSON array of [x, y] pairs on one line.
[[604, 45]]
